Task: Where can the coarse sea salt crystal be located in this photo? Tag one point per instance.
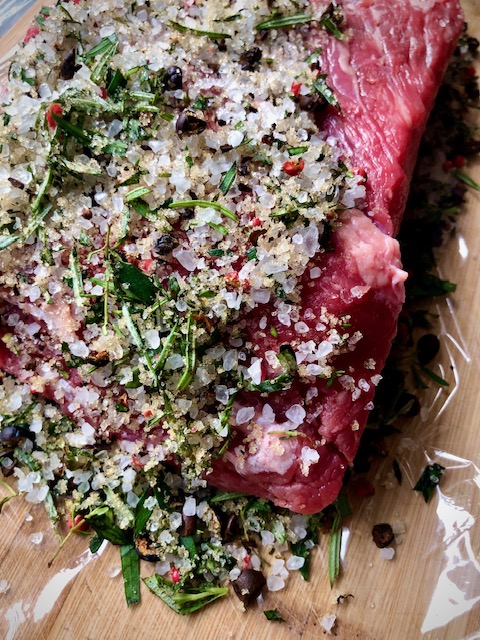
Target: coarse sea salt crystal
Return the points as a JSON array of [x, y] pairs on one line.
[[175, 520], [34, 294], [114, 571], [261, 296], [244, 414], [235, 138], [175, 361], [189, 507], [36, 538], [14, 402], [107, 31], [267, 538], [166, 537], [387, 553], [79, 349], [152, 338], [268, 413], [230, 359], [255, 371], [275, 583], [296, 414], [234, 573], [186, 258], [162, 568], [301, 327], [328, 622], [295, 562]]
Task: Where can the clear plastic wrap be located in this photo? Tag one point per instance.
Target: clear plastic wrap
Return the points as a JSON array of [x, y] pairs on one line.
[[429, 590]]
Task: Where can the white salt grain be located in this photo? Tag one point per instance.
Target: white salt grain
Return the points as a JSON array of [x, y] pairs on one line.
[[190, 507], [36, 538], [328, 622], [244, 414], [114, 571], [295, 562], [387, 553], [296, 414], [275, 583]]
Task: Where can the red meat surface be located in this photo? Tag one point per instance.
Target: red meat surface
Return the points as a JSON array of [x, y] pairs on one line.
[[297, 444], [386, 74]]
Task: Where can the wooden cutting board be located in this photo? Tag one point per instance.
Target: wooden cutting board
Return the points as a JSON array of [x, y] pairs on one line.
[[431, 589]]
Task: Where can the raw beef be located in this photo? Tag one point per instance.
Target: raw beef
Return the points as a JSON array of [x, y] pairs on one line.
[[294, 446], [386, 75]]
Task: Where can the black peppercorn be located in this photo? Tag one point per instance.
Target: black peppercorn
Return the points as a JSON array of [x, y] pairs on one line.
[[188, 122], [249, 584], [249, 60], [165, 244], [69, 66], [172, 78], [382, 535]]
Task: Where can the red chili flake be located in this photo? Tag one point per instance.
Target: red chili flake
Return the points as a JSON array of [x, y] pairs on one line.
[[470, 72], [447, 165], [293, 167], [175, 575], [78, 519], [232, 278], [32, 31], [359, 171], [76, 1], [459, 162], [147, 413], [295, 88], [256, 222], [103, 93], [363, 488], [146, 265], [137, 462], [246, 562], [53, 109]]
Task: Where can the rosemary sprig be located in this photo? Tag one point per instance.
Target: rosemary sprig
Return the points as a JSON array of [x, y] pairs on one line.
[[188, 204], [214, 35], [280, 22]]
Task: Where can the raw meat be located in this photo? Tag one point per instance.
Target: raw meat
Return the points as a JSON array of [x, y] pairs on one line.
[[291, 446], [386, 76]]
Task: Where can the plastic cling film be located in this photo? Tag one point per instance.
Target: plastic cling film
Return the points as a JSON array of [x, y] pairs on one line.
[[456, 591]]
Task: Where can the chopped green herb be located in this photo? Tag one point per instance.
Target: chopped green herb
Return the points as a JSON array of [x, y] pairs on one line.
[[205, 204], [272, 614], [334, 546], [429, 480], [131, 573], [135, 284], [296, 151], [102, 521], [280, 22], [228, 179], [331, 19], [301, 550], [103, 46], [198, 32], [466, 179], [187, 600], [137, 193], [321, 87]]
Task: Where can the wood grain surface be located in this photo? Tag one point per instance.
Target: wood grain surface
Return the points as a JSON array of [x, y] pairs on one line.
[[430, 590]]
